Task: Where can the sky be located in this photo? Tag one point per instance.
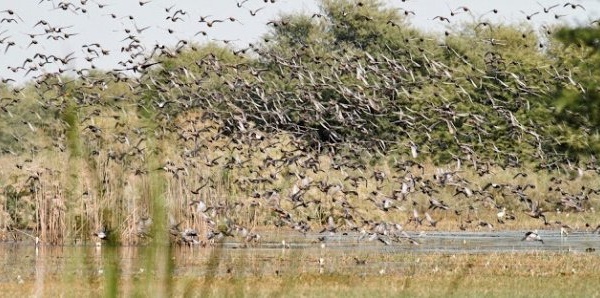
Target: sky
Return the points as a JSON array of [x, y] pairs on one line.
[[105, 21]]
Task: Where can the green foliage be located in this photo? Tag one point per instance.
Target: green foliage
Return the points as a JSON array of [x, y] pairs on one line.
[[577, 88], [357, 73]]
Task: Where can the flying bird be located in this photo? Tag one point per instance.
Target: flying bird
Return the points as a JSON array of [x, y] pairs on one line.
[[532, 236]]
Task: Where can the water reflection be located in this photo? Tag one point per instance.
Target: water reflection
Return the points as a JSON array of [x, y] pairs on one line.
[[301, 253]]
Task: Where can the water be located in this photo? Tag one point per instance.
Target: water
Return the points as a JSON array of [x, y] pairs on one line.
[[443, 242], [302, 253]]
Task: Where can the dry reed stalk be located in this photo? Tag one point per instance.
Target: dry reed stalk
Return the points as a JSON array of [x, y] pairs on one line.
[[109, 203]]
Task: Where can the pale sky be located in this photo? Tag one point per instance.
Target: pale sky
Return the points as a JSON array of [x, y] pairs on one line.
[[96, 25]]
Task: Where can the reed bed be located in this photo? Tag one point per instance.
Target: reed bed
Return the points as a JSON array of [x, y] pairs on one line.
[[67, 196], [139, 189]]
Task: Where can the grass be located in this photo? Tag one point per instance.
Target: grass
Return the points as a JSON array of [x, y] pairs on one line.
[[294, 274], [78, 191], [111, 163], [63, 197]]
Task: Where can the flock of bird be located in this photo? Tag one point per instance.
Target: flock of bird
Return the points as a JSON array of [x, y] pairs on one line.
[[44, 34], [314, 176]]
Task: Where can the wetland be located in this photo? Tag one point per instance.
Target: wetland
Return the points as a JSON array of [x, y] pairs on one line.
[[344, 153]]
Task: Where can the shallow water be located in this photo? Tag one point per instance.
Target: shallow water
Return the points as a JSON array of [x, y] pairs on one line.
[[303, 253], [443, 242]]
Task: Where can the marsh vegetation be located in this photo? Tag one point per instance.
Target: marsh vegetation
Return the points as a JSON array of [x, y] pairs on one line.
[[350, 121], [72, 271]]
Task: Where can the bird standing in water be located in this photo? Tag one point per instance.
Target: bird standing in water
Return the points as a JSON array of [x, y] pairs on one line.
[[102, 235]]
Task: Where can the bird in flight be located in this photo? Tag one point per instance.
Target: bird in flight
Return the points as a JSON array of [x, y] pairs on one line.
[[532, 236]]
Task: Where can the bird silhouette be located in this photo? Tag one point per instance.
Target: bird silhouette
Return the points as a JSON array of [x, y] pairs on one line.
[[532, 236]]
